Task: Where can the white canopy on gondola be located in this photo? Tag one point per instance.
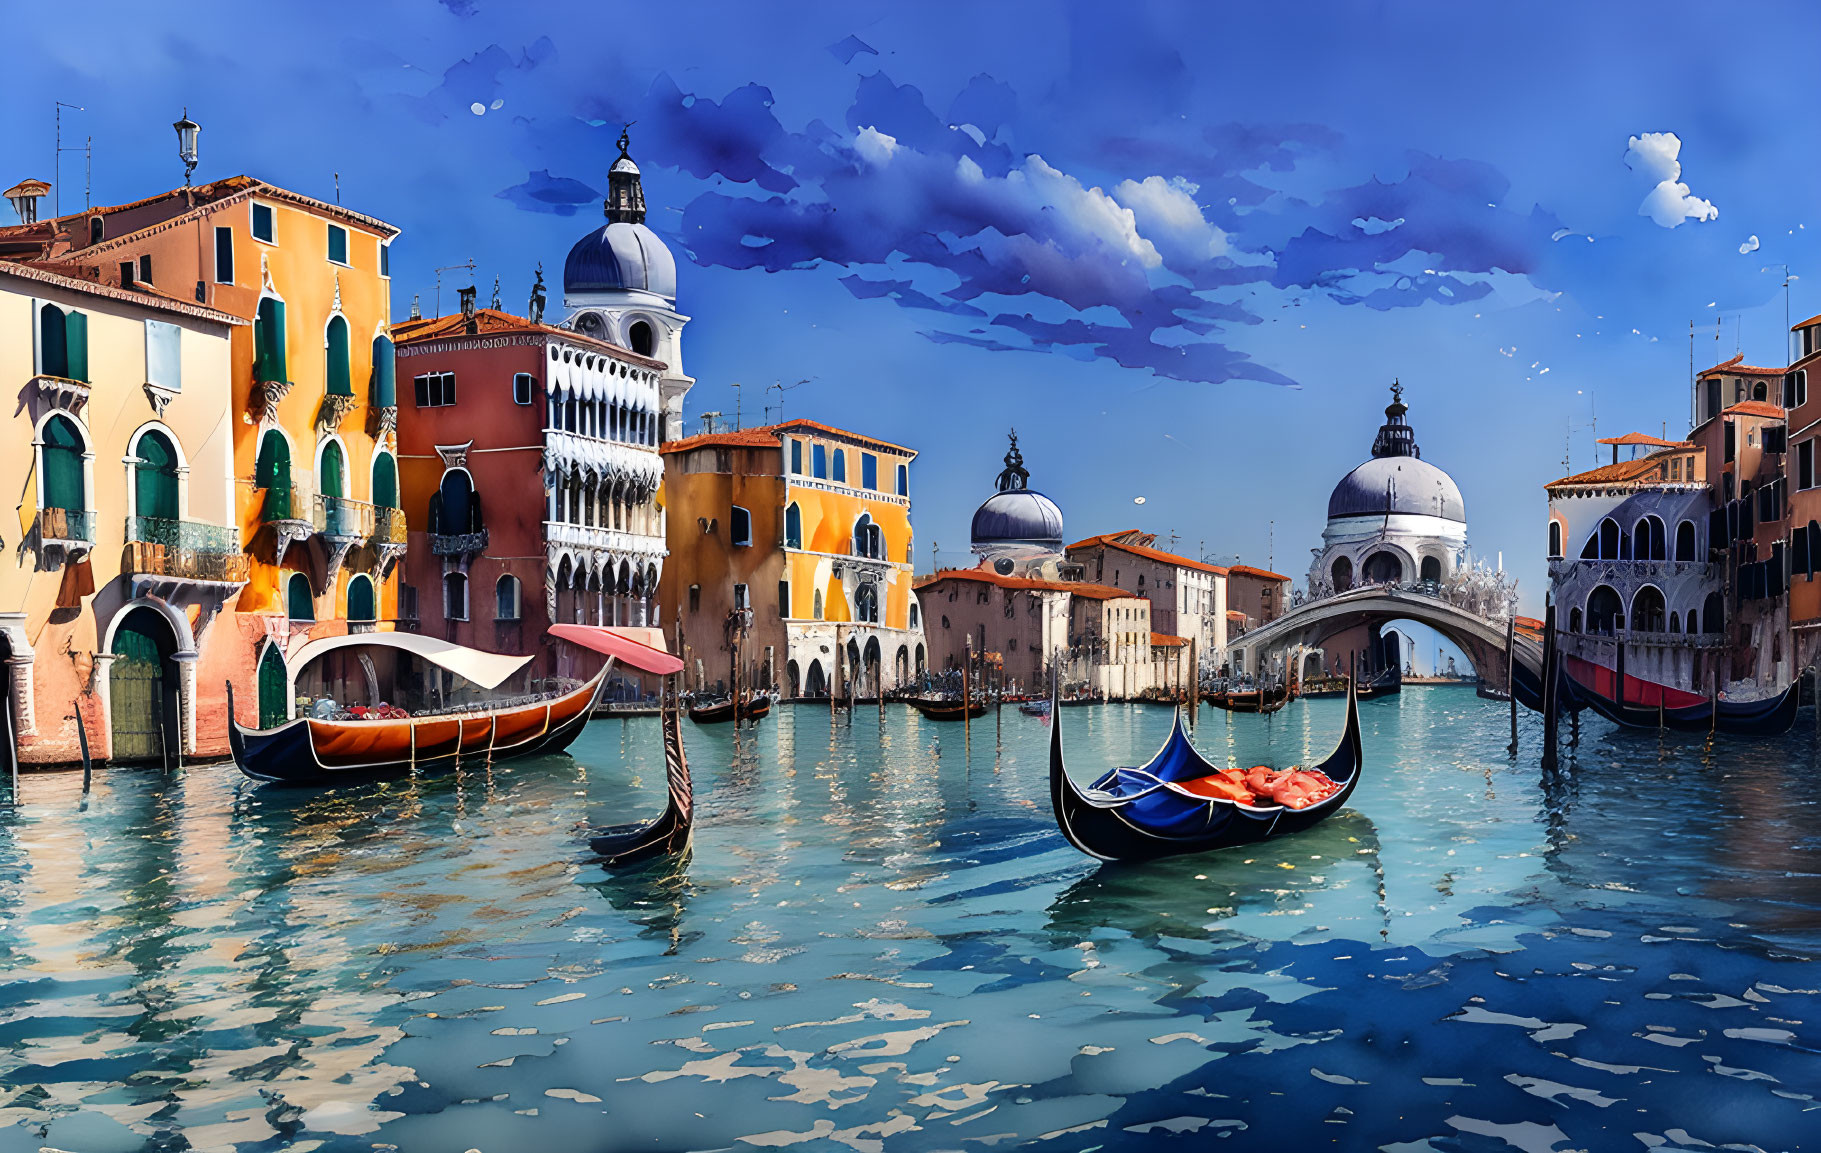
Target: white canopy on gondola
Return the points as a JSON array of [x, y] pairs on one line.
[[488, 670]]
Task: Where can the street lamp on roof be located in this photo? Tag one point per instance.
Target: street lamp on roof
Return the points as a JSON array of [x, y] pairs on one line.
[[187, 130]]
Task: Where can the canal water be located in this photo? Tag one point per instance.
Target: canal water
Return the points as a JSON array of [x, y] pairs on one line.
[[881, 943]]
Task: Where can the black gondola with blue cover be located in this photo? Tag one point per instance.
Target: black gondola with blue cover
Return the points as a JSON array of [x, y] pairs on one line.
[[1142, 813]]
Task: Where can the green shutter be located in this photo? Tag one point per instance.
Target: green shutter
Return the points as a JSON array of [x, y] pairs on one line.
[[78, 349], [385, 388], [53, 342], [155, 478], [298, 605], [330, 483], [274, 708], [269, 341], [340, 379], [385, 481], [360, 599], [63, 465], [274, 475]]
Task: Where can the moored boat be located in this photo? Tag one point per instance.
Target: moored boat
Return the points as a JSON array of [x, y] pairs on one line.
[[1267, 700], [620, 845], [1179, 803], [946, 710], [376, 740], [1643, 704], [721, 710]]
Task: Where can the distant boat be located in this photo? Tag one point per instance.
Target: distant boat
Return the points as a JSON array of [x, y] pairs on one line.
[[1035, 708], [1251, 700], [946, 710], [1158, 810], [721, 711]]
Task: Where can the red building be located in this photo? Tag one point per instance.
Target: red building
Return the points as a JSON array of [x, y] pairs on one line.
[[528, 466]]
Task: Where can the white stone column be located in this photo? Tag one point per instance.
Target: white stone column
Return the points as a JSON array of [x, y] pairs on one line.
[[186, 698], [101, 681]]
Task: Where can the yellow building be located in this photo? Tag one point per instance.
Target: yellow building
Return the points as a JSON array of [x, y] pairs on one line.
[[123, 480], [800, 535], [312, 412]]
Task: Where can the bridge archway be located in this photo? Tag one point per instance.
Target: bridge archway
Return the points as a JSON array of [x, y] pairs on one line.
[[1309, 625]]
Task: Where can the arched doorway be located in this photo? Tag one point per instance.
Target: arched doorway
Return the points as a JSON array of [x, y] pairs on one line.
[[902, 664], [1648, 610], [793, 678], [875, 666], [1343, 574], [817, 684], [1383, 568], [274, 689], [1605, 611], [143, 690]]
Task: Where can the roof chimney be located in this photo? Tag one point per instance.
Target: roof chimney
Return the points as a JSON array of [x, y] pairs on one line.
[[25, 196], [468, 324]]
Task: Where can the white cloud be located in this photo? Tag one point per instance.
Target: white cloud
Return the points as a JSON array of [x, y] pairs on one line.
[[1751, 245], [874, 146], [1166, 213], [1669, 203]]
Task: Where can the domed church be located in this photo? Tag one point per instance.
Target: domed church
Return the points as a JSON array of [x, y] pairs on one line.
[[620, 285], [1394, 518], [1018, 529]]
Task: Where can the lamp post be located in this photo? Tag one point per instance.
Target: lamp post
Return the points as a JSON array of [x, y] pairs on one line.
[[187, 131]]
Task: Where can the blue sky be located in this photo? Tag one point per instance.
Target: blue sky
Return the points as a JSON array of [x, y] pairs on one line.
[[1184, 249]]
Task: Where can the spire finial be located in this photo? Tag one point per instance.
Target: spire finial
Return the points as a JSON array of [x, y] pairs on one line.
[[1015, 475], [625, 140], [1397, 391]]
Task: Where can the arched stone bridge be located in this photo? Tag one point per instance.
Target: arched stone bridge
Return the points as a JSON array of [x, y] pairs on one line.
[[1307, 625]]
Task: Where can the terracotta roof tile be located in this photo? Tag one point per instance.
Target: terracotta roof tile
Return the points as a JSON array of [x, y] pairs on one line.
[[488, 321], [1736, 365], [831, 430], [1248, 570], [1643, 438], [988, 576], [1625, 470], [1755, 408], [1107, 540], [739, 438], [156, 301], [1166, 641]]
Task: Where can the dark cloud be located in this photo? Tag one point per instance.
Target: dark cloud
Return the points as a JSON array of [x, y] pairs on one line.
[[850, 47], [940, 213]]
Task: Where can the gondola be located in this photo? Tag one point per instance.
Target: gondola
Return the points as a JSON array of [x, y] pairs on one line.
[[620, 845], [313, 750], [722, 711], [1648, 705], [1144, 813], [947, 710], [1078, 702], [1251, 701], [1034, 708]]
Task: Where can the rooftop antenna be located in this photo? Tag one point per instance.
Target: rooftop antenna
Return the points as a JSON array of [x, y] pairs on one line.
[[737, 397], [439, 280], [57, 163], [1786, 279], [496, 294], [708, 419], [338, 188], [1271, 544], [783, 388]]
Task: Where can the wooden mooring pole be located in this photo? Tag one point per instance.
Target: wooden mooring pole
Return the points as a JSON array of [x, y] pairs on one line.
[[1550, 732], [1511, 678]]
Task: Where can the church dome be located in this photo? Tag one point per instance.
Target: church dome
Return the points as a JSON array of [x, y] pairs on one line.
[[1397, 480], [618, 257], [1017, 519], [625, 255]]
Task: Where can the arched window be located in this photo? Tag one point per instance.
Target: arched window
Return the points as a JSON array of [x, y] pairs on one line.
[[869, 540], [360, 598], [1555, 538], [331, 479], [455, 509], [273, 474], [793, 526], [866, 604], [915, 615], [1760, 391], [269, 360], [1343, 574], [818, 605], [1383, 568], [739, 526], [274, 689], [1675, 622], [639, 336], [455, 597], [1432, 569], [155, 478], [64, 487], [384, 391], [1574, 620], [1605, 611], [1610, 538], [1659, 539], [1647, 611], [385, 480], [299, 605], [1685, 540], [1713, 615], [506, 598], [337, 372]]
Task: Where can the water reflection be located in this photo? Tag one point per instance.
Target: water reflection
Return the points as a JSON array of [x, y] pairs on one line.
[[880, 942]]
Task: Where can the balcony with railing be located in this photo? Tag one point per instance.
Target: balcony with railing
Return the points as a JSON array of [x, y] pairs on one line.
[[457, 544], [183, 550], [339, 518], [66, 526], [283, 503], [388, 525]]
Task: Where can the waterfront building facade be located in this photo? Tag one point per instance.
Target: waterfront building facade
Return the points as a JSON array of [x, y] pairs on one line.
[[793, 542], [1802, 474], [128, 548], [1188, 597], [311, 412], [529, 470], [1255, 596]]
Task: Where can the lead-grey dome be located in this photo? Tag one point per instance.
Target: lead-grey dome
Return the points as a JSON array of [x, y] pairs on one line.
[[1020, 516], [1397, 484]]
